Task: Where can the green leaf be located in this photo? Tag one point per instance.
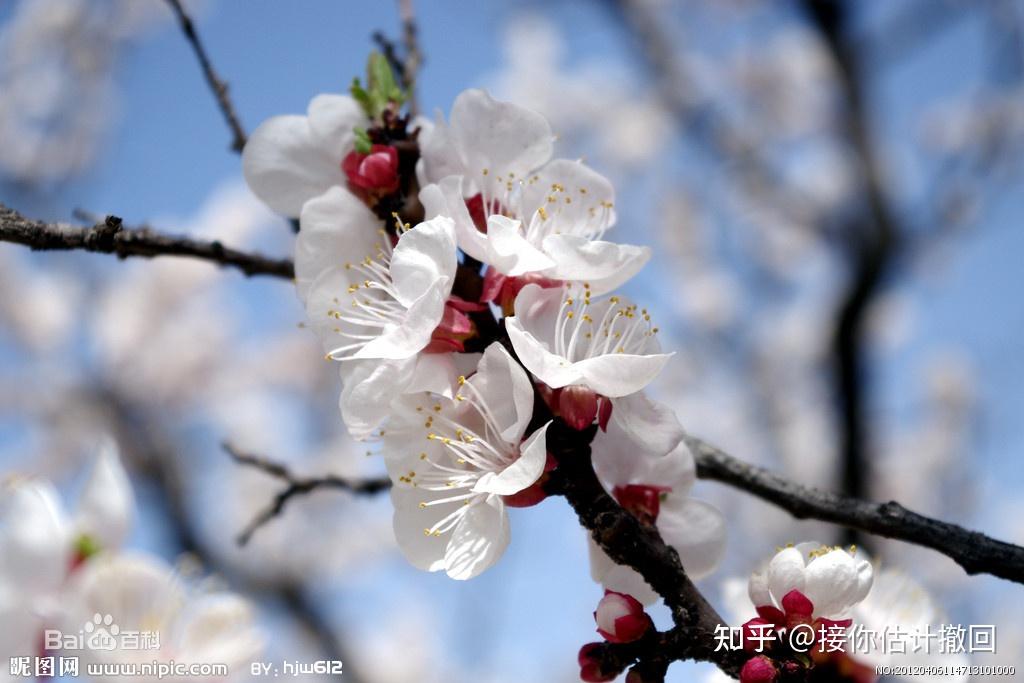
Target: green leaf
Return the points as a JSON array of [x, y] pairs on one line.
[[363, 142], [86, 546], [360, 95]]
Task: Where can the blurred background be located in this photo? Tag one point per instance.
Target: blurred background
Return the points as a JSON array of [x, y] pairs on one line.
[[832, 190]]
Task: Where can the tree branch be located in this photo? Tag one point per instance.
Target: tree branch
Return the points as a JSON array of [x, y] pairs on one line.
[[217, 85], [296, 486], [111, 237], [629, 542], [974, 551]]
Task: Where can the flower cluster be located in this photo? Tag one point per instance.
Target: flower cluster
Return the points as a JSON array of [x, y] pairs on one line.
[[460, 277]]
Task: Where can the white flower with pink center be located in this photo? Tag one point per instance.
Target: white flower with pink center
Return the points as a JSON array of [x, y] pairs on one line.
[[812, 580], [514, 208], [453, 462], [383, 309], [565, 337]]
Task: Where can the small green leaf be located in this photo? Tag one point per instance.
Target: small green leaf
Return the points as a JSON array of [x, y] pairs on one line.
[[363, 142], [360, 95], [86, 546]]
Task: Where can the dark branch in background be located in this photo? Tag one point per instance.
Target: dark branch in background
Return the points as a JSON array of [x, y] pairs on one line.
[[217, 85], [296, 486], [873, 241], [974, 551], [111, 237]]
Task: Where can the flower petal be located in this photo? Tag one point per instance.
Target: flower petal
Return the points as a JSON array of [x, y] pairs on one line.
[[502, 138], [651, 424], [576, 198], [413, 334], [479, 539], [34, 537], [285, 165], [533, 455], [786, 573], [615, 577], [536, 311], [332, 120], [620, 374], [501, 384], [107, 503], [603, 265], [424, 255], [445, 198], [336, 228], [696, 530], [423, 551], [509, 251], [368, 389]]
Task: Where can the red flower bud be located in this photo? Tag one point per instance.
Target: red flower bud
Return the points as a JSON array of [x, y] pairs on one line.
[[590, 665], [621, 618], [374, 173], [795, 602], [759, 670]]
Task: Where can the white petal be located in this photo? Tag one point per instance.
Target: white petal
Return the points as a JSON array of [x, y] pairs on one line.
[[332, 119], [652, 425], [523, 472], [479, 540], [368, 389], [758, 590], [416, 328], [536, 311], [424, 255], [831, 579], [620, 374], [505, 139], [577, 200], [603, 265], [504, 387], [34, 537], [285, 165], [618, 578], [220, 628], [141, 592], [422, 550], [439, 156], [446, 199], [107, 504], [696, 530], [336, 228], [786, 573], [509, 251]]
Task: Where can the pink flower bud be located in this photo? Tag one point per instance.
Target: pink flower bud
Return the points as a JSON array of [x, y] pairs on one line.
[[578, 406], [759, 670], [590, 665], [621, 618], [376, 172]]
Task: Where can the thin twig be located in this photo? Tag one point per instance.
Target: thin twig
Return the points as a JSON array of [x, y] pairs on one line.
[[111, 237], [296, 486], [217, 85], [972, 550], [413, 55]]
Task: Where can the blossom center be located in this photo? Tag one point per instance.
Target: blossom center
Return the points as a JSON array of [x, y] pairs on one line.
[[586, 330]]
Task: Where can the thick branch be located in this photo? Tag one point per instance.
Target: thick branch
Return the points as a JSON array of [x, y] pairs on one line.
[[217, 85], [111, 237], [297, 486], [629, 542], [974, 551]]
